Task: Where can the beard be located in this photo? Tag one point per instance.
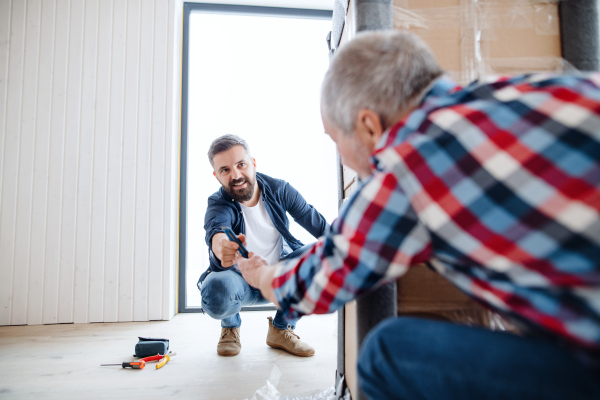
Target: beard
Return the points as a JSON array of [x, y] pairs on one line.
[[241, 195]]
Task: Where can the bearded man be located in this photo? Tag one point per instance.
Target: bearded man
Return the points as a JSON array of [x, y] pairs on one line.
[[253, 205]]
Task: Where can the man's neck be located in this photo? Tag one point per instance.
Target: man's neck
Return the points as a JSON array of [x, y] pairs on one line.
[[255, 197]]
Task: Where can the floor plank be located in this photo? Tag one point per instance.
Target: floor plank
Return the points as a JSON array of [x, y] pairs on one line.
[[63, 361]]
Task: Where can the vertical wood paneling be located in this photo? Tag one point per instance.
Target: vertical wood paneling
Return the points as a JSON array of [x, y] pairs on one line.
[[26, 150], [100, 175], [5, 13], [11, 159], [142, 208], [86, 157], [71, 164], [128, 184], [115, 154], [89, 143], [40, 178], [172, 158], [55, 162], [157, 188]]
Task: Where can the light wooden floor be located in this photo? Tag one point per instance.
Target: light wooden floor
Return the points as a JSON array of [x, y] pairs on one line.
[[63, 361]]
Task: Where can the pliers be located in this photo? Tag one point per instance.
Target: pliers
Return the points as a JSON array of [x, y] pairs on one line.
[[165, 358]]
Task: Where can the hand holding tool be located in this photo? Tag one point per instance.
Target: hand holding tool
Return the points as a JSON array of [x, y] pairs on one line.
[[234, 238], [133, 364]]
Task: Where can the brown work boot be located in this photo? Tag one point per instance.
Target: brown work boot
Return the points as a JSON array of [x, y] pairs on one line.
[[229, 344], [287, 340]]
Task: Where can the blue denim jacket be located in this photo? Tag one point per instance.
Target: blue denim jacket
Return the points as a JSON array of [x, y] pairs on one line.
[[279, 197]]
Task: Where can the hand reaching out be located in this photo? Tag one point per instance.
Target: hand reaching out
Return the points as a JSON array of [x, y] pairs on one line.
[[257, 272], [226, 250]]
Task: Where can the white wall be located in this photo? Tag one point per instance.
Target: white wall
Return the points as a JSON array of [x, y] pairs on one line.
[[89, 153]]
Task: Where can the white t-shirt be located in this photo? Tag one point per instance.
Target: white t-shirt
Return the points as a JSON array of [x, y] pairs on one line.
[[262, 237]]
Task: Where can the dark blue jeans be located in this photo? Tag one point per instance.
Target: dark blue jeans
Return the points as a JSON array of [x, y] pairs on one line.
[[224, 293], [410, 358]]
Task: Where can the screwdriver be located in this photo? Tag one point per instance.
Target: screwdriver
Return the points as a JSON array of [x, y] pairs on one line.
[[133, 364]]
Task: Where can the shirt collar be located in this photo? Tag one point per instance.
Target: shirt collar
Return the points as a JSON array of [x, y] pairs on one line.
[[440, 87]]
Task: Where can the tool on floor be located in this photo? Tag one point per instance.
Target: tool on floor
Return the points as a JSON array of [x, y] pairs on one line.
[[150, 346], [157, 357], [165, 360], [133, 364]]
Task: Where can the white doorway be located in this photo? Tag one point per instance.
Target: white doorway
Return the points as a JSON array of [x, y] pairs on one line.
[[256, 75]]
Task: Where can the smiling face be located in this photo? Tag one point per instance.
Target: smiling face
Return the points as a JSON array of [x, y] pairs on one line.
[[236, 172]]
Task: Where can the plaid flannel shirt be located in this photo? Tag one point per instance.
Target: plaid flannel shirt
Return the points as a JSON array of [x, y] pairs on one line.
[[496, 186]]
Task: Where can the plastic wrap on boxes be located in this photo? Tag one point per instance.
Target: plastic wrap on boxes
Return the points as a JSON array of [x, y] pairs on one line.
[[270, 392], [476, 38]]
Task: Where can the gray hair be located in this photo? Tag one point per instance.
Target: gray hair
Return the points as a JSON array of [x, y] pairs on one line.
[[224, 143], [385, 72]]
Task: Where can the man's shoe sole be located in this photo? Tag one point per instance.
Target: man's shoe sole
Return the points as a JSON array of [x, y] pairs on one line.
[[275, 346], [228, 354]]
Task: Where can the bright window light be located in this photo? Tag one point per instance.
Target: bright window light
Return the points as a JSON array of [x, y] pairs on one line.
[[257, 77]]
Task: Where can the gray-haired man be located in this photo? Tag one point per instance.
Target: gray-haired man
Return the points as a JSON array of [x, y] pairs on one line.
[[255, 206], [497, 187]]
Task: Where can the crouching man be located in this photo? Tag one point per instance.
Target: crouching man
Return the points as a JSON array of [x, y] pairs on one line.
[[497, 187], [254, 205]]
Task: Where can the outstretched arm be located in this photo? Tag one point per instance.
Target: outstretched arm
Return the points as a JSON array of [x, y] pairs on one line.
[[377, 237]]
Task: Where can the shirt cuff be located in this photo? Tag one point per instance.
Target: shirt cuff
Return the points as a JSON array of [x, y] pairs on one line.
[[284, 293]]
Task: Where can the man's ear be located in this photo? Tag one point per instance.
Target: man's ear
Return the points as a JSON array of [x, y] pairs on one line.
[[368, 127], [254, 162], [215, 175]]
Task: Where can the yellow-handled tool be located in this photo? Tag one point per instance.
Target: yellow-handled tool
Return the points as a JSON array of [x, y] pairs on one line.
[[165, 360]]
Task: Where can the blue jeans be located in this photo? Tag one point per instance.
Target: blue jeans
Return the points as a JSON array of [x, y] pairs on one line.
[[224, 293], [410, 358]]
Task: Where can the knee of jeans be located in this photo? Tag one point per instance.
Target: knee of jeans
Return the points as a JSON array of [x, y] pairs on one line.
[[373, 348], [217, 299]]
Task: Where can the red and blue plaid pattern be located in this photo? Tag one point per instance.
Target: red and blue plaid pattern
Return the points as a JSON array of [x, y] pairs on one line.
[[496, 186]]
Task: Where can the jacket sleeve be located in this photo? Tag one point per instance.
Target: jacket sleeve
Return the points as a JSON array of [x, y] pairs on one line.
[[217, 215], [303, 213]]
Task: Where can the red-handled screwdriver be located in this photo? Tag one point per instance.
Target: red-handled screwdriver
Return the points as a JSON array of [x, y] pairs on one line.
[[133, 364]]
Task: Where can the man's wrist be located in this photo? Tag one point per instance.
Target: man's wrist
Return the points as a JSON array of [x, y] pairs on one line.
[[266, 284]]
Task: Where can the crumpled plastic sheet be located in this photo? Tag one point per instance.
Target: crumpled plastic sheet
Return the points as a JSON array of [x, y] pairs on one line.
[[270, 392]]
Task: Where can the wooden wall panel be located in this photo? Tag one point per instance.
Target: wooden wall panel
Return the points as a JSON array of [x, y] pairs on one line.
[[115, 155], [10, 171], [86, 158], [56, 162], [71, 163], [35, 303], [89, 134], [128, 184], [5, 13], [157, 163], [171, 173], [100, 167], [142, 211], [25, 170]]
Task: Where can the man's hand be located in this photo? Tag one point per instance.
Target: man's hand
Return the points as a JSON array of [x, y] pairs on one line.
[[225, 249], [257, 272]]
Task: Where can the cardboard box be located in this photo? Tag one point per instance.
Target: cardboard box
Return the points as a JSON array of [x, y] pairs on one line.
[[425, 293], [476, 38]]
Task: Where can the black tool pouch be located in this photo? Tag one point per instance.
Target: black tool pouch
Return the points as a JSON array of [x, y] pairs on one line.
[[147, 347]]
